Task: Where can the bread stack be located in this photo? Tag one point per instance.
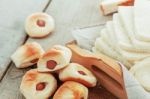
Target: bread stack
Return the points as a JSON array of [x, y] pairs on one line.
[[40, 83], [127, 39]]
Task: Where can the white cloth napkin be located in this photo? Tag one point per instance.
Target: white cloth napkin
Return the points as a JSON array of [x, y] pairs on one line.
[[85, 38]]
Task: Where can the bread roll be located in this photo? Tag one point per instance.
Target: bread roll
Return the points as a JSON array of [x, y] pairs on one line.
[[39, 25], [36, 85], [55, 59], [110, 6], [71, 90], [141, 71], [78, 73], [27, 55]]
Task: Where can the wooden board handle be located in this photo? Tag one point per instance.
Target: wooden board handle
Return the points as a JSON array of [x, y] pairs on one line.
[[107, 70]]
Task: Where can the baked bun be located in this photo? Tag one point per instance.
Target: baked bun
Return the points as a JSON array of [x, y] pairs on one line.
[[27, 55], [39, 25], [36, 85], [55, 59], [71, 90], [78, 73]]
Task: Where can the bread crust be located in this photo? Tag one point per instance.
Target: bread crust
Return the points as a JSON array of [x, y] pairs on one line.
[[36, 31], [60, 55], [31, 79], [27, 55], [70, 73], [71, 90]]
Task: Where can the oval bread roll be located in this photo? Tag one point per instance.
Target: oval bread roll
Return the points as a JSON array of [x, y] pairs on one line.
[[27, 55], [39, 25], [55, 59], [78, 73], [71, 90], [36, 85]]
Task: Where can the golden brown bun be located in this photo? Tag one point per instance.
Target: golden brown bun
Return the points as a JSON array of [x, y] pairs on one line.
[[27, 55], [55, 59], [37, 85], [78, 73], [71, 90], [39, 25]]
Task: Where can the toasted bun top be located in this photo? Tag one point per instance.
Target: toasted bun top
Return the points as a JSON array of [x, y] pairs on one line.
[[71, 90]]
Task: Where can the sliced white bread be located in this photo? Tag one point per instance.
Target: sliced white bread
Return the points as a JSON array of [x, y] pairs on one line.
[[104, 33], [123, 42], [141, 71], [142, 20], [121, 59], [126, 16], [110, 34], [103, 47], [133, 56], [122, 37]]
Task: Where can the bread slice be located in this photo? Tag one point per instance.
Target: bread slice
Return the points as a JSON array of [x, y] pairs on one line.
[[126, 15], [104, 36], [102, 47], [120, 58], [110, 34], [109, 38], [113, 41], [123, 39], [142, 20], [141, 72], [124, 43]]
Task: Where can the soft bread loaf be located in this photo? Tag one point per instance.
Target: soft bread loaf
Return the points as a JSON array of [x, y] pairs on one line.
[[120, 58], [108, 45], [110, 34], [141, 20], [126, 15], [124, 43], [78, 73], [39, 25], [27, 55], [36, 85], [141, 71], [54, 59], [103, 47], [122, 37], [71, 90]]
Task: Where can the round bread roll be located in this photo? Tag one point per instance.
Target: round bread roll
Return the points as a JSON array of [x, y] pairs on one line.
[[36, 85], [141, 71], [55, 59], [27, 55], [39, 25], [71, 90], [78, 73]]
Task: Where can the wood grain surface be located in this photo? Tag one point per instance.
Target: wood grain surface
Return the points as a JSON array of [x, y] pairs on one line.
[[68, 14], [12, 16]]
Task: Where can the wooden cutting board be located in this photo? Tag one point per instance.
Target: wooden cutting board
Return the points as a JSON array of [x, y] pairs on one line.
[[108, 71]]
